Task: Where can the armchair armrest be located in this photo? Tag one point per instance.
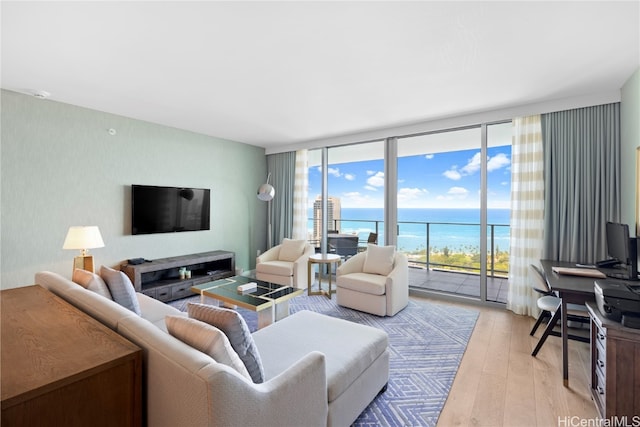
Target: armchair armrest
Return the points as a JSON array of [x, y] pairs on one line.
[[300, 267], [299, 394], [269, 255], [397, 285], [355, 264]]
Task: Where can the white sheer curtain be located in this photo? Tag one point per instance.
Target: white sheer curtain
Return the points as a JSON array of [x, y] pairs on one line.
[[300, 190], [527, 212]]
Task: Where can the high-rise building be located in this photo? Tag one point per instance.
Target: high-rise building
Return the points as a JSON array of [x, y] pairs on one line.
[[333, 215]]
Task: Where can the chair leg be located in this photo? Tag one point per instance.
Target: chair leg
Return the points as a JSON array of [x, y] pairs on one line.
[[547, 331], [541, 317]]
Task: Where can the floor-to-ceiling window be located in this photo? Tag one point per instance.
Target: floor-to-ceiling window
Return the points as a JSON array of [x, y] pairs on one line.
[[355, 194], [452, 197]]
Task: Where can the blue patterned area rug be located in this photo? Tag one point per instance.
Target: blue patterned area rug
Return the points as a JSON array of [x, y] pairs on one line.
[[427, 342]]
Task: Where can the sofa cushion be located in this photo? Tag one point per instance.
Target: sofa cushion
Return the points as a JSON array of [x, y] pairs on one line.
[[366, 283], [379, 259], [155, 311], [236, 330], [291, 250], [91, 281], [121, 288], [349, 348], [207, 339], [277, 268]]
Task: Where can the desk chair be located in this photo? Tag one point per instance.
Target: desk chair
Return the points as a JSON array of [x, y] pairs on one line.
[[549, 305]]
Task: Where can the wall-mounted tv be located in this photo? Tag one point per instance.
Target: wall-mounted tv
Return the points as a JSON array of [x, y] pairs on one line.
[[169, 209]]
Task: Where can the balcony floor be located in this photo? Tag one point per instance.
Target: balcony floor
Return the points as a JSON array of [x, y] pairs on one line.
[[466, 284]]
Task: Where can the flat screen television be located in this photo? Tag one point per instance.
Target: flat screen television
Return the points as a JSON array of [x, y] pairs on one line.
[[169, 209]]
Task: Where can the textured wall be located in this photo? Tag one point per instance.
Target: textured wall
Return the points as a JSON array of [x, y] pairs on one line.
[[61, 167]]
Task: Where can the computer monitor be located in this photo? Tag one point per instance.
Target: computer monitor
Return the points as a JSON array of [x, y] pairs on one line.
[[622, 249]]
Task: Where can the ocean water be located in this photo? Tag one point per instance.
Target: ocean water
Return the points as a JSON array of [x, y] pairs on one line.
[[456, 229]]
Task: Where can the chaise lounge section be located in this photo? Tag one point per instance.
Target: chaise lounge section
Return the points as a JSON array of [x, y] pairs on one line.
[[319, 370]]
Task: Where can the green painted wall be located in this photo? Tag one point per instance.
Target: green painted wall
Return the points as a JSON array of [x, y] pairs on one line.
[[630, 137], [61, 167]]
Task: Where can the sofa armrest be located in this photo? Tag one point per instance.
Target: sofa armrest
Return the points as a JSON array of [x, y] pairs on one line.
[[355, 264], [297, 396], [269, 255], [397, 285]]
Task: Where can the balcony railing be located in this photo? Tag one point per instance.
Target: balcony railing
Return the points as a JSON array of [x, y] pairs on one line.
[[432, 257]]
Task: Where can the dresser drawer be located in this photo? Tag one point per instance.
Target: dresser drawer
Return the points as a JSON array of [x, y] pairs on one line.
[[181, 291]]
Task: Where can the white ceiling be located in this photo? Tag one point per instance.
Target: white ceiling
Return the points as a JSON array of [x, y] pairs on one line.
[[280, 73]]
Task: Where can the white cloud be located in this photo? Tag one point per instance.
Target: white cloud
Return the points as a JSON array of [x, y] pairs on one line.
[[457, 191], [371, 173], [405, 194], [472, 166], [349, 177], [498, 161], [504, 183], [334, 171], [428, 156], [368, 187], [452, 174], [376, 180]]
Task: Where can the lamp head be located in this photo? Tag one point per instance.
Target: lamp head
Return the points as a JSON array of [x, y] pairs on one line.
[[266, 192]]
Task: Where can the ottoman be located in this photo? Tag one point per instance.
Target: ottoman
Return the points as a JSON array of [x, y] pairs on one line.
[[357, 358]]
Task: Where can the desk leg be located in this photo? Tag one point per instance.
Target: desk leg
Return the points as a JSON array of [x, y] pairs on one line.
[[565, 343]]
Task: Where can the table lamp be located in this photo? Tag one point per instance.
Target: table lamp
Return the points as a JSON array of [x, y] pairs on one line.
[[83, 238]]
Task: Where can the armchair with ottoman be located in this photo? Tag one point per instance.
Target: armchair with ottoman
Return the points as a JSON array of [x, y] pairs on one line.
[[285, 264], [375, 281]]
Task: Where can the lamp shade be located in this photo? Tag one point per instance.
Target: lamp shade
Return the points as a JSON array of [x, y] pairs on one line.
[[266, 190], [83, 237]]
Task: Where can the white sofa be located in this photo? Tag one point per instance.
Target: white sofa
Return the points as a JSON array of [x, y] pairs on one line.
[[319, 370]]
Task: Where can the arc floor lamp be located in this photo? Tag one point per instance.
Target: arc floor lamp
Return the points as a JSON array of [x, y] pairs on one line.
[[266, 193]]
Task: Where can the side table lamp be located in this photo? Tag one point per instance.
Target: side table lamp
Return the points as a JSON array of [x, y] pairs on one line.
[[83, 238]]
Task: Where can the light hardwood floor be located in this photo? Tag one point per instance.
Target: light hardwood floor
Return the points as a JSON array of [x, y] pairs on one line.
[[499, 383]]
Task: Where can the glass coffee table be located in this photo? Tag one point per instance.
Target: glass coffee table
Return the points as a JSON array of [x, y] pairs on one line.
[[269, 300]]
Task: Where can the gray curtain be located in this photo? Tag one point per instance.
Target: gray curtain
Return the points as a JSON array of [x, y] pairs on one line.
[[582, 181], [282, 167]]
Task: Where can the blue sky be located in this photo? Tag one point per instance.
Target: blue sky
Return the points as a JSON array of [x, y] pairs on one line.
[[441, 180]]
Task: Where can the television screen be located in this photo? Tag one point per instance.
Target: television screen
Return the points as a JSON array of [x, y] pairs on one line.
[[169, 209], [618, 242]]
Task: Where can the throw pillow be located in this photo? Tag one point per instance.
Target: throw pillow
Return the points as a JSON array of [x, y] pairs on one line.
[[91, 281], [235, 328], [121, 289], [207, 339], [379, 259], [291, 250]]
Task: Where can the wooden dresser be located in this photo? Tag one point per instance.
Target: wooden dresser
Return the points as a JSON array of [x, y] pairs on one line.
[[60, 367], [615, 367]]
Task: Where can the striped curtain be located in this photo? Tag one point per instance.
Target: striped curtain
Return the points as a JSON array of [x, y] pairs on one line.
[[527, 212], [300, 190]]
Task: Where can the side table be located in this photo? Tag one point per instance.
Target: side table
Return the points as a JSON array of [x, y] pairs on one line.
[[321, 259]]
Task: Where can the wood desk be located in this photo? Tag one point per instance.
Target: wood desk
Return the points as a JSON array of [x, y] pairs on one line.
[[61, 367], [571, 290]]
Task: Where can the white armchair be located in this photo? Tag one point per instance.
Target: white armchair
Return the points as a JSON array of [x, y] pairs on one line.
[[378, 285], [285, 264]]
